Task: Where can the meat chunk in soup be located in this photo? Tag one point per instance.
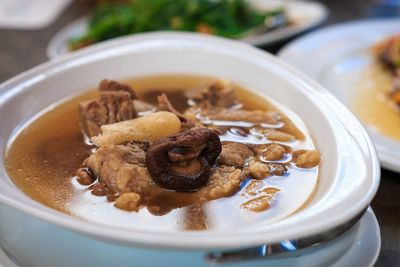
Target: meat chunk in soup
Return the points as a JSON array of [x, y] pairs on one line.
[[219, 93], [306, 158], [224, 181], [258, 170], [114, 164], [164, 104], [115, 104], [273, 152], [190, 162], [128, 201], [234, 154]]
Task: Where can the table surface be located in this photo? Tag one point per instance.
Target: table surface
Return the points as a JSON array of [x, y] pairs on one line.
[[21, 50]]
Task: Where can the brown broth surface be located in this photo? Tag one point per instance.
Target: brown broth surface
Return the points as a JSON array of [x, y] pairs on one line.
[[43, 158]]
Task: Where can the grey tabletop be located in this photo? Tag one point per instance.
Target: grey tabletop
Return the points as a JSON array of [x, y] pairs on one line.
[[21, 50]]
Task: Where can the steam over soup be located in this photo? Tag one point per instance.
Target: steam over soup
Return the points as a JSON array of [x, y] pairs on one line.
[[167, 152]]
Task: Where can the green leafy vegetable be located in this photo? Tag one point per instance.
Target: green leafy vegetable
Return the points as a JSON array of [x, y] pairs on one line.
[[228, 18]]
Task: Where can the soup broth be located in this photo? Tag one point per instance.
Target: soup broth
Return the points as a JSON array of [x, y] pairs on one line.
[[44, 156]]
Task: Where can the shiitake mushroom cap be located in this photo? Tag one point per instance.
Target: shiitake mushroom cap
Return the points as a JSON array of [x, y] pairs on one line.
[[163, 170]]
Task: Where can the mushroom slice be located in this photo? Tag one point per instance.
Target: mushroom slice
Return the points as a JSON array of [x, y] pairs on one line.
[[182, 162]]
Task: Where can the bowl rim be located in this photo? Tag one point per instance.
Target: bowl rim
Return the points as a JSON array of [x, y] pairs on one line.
[[205, 239]]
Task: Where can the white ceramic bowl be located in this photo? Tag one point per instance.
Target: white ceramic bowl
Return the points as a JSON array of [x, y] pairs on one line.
[[349, 175]]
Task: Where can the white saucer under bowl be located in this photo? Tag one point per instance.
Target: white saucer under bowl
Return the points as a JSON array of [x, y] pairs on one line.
[[363, 250], [336, 57]]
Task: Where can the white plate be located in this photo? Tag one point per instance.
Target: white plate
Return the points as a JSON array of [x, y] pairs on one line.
[[305, 14], [336, 56], [30, 15], [363, 252]]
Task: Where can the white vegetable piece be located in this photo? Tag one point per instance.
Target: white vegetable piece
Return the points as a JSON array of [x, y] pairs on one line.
[[147, 128]]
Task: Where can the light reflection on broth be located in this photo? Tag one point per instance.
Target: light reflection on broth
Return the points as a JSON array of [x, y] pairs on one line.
[[44, 157]]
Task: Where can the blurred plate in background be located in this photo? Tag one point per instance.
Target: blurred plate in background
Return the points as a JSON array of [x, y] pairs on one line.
[[338, 58], [303, 15], [30, 15]]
